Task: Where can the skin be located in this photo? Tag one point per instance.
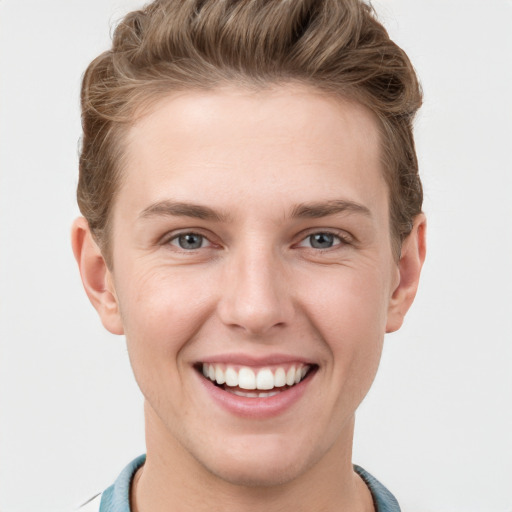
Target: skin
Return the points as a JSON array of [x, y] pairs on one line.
[[257, 286]]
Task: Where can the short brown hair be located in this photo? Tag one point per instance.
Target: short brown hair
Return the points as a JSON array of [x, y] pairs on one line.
[[337, 46]]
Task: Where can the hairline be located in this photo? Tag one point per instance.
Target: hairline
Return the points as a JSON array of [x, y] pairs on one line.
[[149, 100]]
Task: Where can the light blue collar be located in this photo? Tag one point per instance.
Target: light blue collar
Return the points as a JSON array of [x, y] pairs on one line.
[[383, 500], [117, 497]]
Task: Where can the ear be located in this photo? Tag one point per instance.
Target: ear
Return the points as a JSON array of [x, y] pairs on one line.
[[411, 260], [96, 277]]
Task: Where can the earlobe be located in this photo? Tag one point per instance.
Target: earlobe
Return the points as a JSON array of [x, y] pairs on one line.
[[96, 277], [409, 266]]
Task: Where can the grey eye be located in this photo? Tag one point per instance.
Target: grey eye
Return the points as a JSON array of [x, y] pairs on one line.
[[189, 241], [321, 240]]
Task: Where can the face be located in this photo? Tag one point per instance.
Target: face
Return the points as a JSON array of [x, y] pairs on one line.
[[251, 245]]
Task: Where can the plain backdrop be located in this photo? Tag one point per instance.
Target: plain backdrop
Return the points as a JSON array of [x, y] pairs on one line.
[[436, 427]]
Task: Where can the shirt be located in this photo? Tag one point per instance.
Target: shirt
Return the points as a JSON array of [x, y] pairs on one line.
[[117, 497]]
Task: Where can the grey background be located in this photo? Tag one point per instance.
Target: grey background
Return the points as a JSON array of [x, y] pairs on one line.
[[437, 425]]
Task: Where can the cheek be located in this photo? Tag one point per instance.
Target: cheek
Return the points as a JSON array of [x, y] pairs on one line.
[[161, 312], [349, 304], [349, 312]]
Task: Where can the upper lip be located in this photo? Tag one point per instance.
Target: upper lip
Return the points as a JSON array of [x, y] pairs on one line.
[[256, 361]]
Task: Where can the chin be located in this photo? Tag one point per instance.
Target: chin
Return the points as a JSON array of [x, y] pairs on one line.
[[259, 466], [258, 474]]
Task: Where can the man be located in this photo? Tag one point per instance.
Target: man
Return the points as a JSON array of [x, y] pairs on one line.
[[252, 224]]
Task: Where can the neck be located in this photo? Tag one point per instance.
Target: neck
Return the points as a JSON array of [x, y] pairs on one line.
[[172, 479]]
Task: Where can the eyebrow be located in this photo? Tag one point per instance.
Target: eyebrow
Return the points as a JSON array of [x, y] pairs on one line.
[[178, 209], [314, 210], [324, 209]]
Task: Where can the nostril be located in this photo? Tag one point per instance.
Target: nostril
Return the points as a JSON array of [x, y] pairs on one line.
[[253, 301]]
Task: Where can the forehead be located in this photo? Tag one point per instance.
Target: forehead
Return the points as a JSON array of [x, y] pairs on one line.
[[299, 141]]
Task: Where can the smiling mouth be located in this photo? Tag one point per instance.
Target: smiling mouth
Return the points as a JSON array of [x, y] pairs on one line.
[[255, 383]]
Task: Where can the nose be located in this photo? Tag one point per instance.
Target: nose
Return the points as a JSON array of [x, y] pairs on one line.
[[255, 295]]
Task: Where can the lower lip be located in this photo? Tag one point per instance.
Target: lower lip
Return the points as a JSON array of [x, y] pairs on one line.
[[254, 407]]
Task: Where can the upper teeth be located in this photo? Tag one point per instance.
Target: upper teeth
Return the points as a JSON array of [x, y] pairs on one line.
[[248, 378]]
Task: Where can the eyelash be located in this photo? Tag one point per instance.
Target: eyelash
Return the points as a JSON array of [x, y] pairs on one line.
[[177, 237], [342, 239]]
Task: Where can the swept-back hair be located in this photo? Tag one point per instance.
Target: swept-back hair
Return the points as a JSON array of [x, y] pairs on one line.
[[337, 46]]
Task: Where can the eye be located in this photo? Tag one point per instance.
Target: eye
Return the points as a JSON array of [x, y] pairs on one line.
[[189, 241], [321, 240]]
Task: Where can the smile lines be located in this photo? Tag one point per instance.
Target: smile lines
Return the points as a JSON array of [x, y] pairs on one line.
[[246, 378]]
